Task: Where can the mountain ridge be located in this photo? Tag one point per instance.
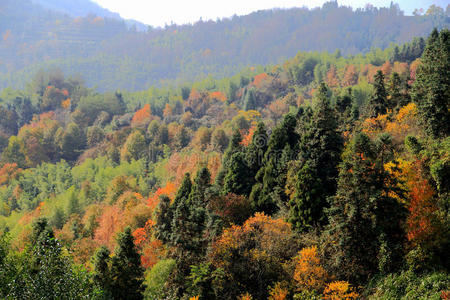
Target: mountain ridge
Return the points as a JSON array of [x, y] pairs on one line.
[[111, 54]]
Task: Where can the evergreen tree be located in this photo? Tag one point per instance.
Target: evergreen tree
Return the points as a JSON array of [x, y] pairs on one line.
[[233, 146], [270, 192], [256, 150], [127, 274], [238, 179], [395, 95], [202, 183], [46, 273], [231, 92], [343, 103], [190, 215], [164, 216], [431, 90], [181, 236], [316, 180], [378, 100], [184, 191], [102, 276], [163, 135], [190, 218], [250, 100], [365, 233]]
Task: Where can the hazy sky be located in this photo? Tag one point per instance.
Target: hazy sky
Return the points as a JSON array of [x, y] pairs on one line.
[[161, 12]]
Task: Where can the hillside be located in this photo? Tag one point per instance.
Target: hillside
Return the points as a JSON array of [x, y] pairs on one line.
[[83, 8], [77, 8], [323, 177], [110, 55]]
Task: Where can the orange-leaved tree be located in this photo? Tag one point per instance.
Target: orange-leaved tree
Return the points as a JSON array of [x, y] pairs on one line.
[[253, 255], [142, 117], [309, 273]]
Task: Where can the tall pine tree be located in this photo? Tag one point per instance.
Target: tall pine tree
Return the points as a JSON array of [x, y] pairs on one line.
[[316, 179], [378, 100], [269, 191], [127, 274], [364, 232], [431, 90]]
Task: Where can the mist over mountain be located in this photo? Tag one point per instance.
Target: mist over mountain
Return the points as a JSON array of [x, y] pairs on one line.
[[110, 54]]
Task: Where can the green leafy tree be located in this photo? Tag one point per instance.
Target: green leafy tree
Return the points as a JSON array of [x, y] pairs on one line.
[[135, 147], [95, 136], [219, 140], [182, 138], [73, 206], [73, 141], [14, 153]]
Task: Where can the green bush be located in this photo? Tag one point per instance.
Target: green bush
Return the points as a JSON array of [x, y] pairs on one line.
[[157, 277], [408, 285]]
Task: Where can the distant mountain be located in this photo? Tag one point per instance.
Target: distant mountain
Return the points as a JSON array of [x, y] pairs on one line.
[[83, 8], [110, 54], [77, 8]]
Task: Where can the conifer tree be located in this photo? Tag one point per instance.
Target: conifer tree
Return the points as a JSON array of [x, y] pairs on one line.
[[189, 216], [394, 89], [378, 101], [365, 230], [238, 179], [127, 274], [202, 183], [233, 147], [46, 273], [257, 148], [431, 90], [250, 99], [320, 149], [271, 178], [102, 276], [164, 216]]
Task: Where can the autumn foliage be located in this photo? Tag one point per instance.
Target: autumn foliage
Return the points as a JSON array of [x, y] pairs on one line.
[[309, 273], [142, 116]]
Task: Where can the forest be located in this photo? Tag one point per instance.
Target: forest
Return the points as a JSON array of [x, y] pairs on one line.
[[33, 38], [322, 177]]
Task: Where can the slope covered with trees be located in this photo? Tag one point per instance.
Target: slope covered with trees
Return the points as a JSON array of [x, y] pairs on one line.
[[112, 55], [324, 177]]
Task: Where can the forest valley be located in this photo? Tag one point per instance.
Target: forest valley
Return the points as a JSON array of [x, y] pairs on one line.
[[325, 177]]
